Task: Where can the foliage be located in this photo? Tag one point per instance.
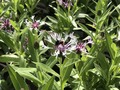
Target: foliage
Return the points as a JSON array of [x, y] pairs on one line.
[[59, 45]]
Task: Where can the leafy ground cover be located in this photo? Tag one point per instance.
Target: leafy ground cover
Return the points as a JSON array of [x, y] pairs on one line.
[[59, 45]]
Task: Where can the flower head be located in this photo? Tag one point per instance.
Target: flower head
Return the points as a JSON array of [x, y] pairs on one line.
[[60, 2], [33, 24], [65, 3], [81, 47], [5, 24], [63, 43]]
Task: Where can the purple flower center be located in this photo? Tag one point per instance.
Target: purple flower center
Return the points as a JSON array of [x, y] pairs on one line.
[[61, 48], [35, 24]]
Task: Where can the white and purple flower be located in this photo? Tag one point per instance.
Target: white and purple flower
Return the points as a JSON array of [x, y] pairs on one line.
[[66, 43], [63, 44], [5, 25], [81, 47], [89, 40], [34, 24], [65, 3]]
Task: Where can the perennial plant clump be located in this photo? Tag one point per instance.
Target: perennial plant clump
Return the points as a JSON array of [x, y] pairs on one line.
[[74, 47]]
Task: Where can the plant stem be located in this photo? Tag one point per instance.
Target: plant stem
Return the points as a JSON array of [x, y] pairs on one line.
[[61, 70]]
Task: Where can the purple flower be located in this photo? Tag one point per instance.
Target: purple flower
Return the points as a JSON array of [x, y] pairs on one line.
[[5, 25], [64, 43], [89, 40], [81, 47], [60, 47], [60, 2], [65, 3], [35, 24]]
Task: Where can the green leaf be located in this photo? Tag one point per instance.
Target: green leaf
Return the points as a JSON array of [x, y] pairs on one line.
[[21, 8], [109, 42], [90, 19], [93, 11], [27, 74], [43, 51], [115, 49], [47, 78], [13, 78], [7, 40], [114, 88], [71, 59], [5, 9], [85, 29], [30, 2], [118, 77], [67, 66], [49, 84], [101, 20], [29, 69], [15, 26], [117, 60], [103, 62], [31, 45], [16, 5], [101, 71], [46, 68], [21, 19], [86, 66], [73, 21], [82, 15], [23, 31], [51, 61], [18, 81], [9, 58], [52, 19], [79, 65], [65, 73]]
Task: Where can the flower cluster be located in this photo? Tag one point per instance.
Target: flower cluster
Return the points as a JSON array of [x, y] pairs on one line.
[[65, 44], [62, 43]]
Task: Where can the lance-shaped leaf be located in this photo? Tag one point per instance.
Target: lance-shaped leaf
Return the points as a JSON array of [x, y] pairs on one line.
[[14, 24], [18, 82], [7, 40], [27, 73], [111, 46], [31, 45], [49, 84], [9, 58], [47, 69]]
